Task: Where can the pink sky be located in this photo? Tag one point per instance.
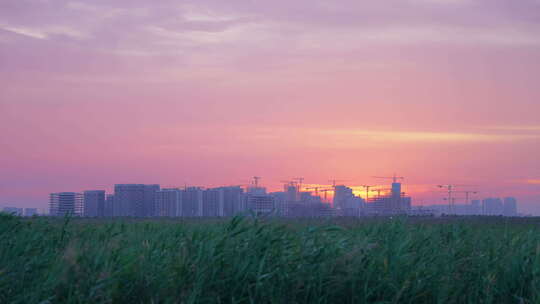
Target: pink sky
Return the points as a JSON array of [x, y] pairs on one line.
[[94, 93]]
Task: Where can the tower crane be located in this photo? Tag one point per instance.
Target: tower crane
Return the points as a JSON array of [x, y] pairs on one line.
[[317, 189], [290, 183], [300, 180], [450, 189], [256, 181], [467, 193], [314, 188], [367, 190], [394, 178], [334, 181], [381, 189], [326, 193]]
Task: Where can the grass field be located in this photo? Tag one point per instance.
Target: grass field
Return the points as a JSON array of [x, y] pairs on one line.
[[467, 260]]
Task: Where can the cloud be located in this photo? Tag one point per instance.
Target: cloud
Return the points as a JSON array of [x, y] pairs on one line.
[[25, 31], [515, 128], [427, 137]]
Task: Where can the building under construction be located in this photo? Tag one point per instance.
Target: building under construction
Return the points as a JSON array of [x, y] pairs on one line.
[[394, 203], [66, 203]]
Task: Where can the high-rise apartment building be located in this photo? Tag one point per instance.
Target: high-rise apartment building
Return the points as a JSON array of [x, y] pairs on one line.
[[492, 206], [64, 203], [260, 204], [213, 202], [94, 203], [232, 200], [341, 195], [192, 202], [30, 211], [168, 202], [394, 203], [13, 211], [134, 200], [509, 206], [108, 210], [280, 201]]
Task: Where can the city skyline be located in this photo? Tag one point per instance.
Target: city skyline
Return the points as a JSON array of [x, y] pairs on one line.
[[294, 200], [154, 200], [94, 93]]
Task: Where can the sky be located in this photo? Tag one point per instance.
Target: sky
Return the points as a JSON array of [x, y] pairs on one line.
[[210, 93]]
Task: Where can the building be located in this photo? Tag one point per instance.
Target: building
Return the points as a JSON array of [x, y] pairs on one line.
[[346, 203], [168, 202], [192, 202], [134, 200], [260, 204], [108, 210], [341, 195], [394, 203], [30, 211], [66, 203], [509, 206], [94, 203], [492, 206], [213, 202], [13, 211], [232, 200], [291, 192], [280, 203], [352, 206]]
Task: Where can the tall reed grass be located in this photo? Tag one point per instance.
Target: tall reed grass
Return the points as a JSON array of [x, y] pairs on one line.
[[245, 260]]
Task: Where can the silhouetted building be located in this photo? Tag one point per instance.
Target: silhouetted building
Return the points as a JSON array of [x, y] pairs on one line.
[[343, 197], [510, 206], [232, 200], [30, 211], [134, 200], [108, 210], [94, 203], [352, 206], [492, 206], [64, 203], [212, 202], [260, 204], [280, 203], [395, 203], [256, 190], [168, 202], [476, 207], [192, 202], [13, 211]]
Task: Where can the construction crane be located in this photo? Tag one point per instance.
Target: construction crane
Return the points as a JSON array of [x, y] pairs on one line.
[[367, 190], [450, 189], [467, 193], [379, 191], [314, 188], [256, 181], [317, 189], [326, 193], [300, 180], [290, 183], [334, 181], [394, 178]]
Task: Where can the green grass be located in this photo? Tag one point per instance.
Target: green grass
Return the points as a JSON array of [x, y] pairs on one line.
[[476, 260]]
